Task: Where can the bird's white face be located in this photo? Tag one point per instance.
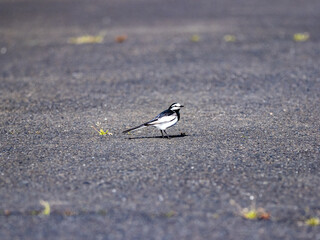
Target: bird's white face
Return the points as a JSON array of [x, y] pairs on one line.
[[175, 106]]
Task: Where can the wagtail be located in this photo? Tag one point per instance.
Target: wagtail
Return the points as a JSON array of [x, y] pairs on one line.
[[164, 120]]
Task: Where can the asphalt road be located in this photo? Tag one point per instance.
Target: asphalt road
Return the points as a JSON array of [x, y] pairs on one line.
[[251, 119]]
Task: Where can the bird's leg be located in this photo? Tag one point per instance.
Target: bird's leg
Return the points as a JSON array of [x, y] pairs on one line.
[[166, 134], [161, 133]]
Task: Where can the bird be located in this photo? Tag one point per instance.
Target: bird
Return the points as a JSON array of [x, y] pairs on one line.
[[164, 120]]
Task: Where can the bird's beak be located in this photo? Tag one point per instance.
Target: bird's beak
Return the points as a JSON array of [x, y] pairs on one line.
[[181, 106]]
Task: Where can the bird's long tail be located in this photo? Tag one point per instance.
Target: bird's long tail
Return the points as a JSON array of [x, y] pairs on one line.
[[136, 128]]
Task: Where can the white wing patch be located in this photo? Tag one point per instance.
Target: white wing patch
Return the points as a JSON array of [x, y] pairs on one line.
[[163, 120]]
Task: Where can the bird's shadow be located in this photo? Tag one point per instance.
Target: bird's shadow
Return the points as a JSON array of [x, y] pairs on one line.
[[170, 137]]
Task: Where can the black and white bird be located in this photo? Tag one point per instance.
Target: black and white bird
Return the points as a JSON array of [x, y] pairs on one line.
[[164, 120]]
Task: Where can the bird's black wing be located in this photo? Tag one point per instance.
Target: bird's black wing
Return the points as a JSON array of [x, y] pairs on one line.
[[165, 113]]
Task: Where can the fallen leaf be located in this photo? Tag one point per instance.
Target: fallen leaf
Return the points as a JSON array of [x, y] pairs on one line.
[[254, 213], [85, 39], [68, 212], [229, 38], [46, 205], [264, 216], [301, 37], [121, 38], [195, 38], [314, 221]]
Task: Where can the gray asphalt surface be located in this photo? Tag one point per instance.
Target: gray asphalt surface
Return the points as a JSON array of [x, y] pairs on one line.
[[251, 119]]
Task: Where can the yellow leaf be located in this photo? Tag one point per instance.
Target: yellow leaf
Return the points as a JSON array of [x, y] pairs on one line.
[[170, 214], [46, 205], [86, 39], [252, 214], [229, 38], [195, 38], [102, 132], [313, 221], [301, 37]]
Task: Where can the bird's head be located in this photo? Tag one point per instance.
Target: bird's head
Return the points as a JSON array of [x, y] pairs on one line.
[[175, 106]]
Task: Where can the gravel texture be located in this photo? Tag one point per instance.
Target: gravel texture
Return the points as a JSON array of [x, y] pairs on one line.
[[251, 119]]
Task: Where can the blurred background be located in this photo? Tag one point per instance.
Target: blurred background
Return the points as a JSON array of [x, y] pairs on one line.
[[247, 72]]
